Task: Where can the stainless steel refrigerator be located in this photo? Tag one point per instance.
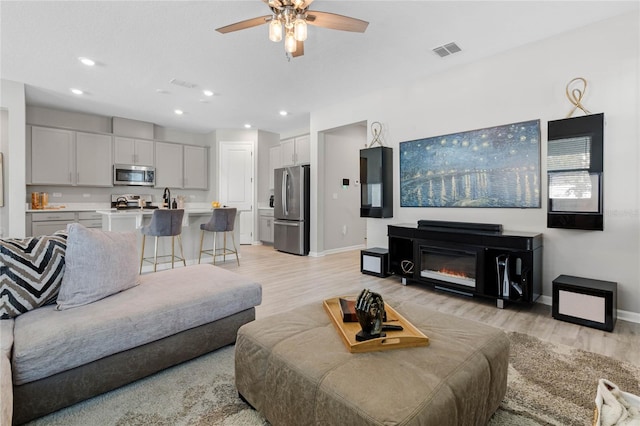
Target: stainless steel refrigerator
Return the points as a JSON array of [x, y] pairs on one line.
[[291, 210]]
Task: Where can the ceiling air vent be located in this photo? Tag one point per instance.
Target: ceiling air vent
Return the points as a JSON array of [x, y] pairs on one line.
[[447, 49], [182, 83]]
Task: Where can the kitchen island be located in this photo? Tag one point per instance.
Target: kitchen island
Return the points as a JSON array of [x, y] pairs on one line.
[[127, 220], [134, 219]]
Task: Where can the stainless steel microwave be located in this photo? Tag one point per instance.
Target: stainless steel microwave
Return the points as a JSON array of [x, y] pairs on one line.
[[127, 174]]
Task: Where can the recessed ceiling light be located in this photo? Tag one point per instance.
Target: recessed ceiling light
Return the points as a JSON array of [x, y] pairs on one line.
[[182, 83], [247, 126], [88, 62], [284, 113], [178, 111], [162, 91], [207, 92], [77, 91]]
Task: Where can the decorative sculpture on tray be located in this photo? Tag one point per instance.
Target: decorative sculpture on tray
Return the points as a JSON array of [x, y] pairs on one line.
[[371, 314]]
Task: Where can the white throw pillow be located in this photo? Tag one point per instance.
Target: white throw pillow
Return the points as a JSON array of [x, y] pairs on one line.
[[98, 264]]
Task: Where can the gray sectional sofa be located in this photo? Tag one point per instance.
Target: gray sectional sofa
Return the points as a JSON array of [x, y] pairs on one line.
[[53, 357]]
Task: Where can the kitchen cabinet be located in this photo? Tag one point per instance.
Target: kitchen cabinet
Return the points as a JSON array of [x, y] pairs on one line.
[[195, 167], [133, 151], [275, 162], [52, 156], [169, 165], [93, 160], [296, 151], [266, 225], [50, 222], [90, 219], [65, 157], [46, 223]]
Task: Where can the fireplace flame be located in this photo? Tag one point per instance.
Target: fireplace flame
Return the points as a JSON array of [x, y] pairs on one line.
[[452, 273]]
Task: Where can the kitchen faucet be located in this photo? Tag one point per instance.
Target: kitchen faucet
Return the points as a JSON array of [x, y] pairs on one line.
[[166, 197]]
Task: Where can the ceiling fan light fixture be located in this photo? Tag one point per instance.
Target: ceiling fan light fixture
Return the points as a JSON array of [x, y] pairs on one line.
[[275, 30], [300, 28], [288, 20], [290, 43]]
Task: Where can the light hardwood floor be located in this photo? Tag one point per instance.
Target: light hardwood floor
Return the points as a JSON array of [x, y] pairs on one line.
[[289, 281]]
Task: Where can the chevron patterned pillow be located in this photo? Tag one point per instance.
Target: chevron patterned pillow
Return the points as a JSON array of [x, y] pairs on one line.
[[31, 271]]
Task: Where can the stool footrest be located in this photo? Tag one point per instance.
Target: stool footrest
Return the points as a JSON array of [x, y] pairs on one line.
[[164, 256]]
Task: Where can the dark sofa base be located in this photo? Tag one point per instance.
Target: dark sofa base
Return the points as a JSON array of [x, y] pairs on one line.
[[36, 399]]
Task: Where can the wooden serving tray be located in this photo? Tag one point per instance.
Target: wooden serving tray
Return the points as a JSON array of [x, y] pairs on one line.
[[408, 338]]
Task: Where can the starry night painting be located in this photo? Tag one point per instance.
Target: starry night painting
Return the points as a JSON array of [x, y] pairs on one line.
[[492, 167]]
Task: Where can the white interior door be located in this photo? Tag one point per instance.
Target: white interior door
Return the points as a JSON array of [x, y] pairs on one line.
[[236, 184]]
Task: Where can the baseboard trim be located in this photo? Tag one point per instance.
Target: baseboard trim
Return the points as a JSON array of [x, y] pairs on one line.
[[622, 315], [344, 249]]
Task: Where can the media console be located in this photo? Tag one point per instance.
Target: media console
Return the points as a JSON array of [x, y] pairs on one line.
[[473, 259]]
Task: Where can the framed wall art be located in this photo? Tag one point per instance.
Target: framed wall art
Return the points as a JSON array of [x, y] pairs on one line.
[[494, 167]]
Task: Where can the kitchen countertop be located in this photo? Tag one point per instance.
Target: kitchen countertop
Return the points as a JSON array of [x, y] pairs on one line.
[[105, 208], [134, 212], [72, 207]]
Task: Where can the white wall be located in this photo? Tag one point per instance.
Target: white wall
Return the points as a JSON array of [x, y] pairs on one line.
[[12, 215], [343, 226], [265, 141], [523, 84]]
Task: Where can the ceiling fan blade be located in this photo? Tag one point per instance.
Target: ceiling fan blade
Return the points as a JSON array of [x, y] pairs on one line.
[[249, 23], [335, 21], [305, 4], [299, 49]]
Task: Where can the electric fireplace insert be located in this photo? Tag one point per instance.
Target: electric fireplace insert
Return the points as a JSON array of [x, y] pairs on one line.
[[455, 266]]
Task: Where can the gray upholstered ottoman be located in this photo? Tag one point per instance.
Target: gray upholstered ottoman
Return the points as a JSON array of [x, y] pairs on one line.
[[295, 370]]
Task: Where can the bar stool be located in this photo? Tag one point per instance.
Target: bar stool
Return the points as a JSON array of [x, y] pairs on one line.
[[222, 220], [164, 223]]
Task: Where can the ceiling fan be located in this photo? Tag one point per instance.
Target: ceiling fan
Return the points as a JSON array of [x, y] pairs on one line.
[[291, 18]]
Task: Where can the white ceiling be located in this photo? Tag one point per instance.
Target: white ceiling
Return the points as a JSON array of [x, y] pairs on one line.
[[141, 45]]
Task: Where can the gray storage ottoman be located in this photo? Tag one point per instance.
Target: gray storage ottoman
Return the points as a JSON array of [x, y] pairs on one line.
[[294, 369]]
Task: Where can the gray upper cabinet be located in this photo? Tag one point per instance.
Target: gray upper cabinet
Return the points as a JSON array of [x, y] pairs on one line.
[[52, 156], [295, 151], [133, 151], [169, 165], [65, 157], [195, 167], [93, 160]]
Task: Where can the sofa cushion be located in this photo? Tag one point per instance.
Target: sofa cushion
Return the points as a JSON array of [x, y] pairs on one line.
[[48, 341], [6, 384], [31, 270], [99, 264]]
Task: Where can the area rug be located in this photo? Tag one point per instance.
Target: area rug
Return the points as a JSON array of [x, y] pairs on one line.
[[548, 384]]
